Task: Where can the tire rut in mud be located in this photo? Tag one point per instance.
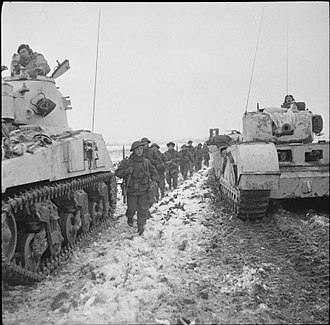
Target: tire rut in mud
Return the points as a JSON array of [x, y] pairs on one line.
[[290, 252]]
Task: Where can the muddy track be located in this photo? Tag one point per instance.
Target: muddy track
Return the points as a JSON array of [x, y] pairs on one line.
[[293, 250]]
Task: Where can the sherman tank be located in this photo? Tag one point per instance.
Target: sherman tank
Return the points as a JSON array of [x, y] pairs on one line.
[[278, 157], [58, 184]]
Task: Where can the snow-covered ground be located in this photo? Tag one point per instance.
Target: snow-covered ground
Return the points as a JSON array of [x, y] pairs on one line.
[[138, 278], [194, 264]]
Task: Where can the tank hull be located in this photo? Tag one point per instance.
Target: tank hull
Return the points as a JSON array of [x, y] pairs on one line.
[[246, 171], [64, 158], [305, 173]]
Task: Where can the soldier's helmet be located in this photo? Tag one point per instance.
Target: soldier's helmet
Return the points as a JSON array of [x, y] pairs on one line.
[[189, 142], [145, 140], [199, 145], [184, 146], [155, 145], [171, 144], [136, 144]]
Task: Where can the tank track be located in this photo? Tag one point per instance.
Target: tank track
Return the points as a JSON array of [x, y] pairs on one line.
[[246, 205], [13, 273]]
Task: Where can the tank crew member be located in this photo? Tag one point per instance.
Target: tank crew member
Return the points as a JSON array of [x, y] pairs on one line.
[[206, 155], [138, 172], [185, 159], [155, 161], [172, 165], [34, 63], [198, 157], [160, 170], [288, 101], [191, 149]]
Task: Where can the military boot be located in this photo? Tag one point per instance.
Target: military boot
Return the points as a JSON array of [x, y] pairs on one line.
[[130, 222]]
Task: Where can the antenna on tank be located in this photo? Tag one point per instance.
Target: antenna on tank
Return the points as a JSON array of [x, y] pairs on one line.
[[287, 58], [254, 61], [97, 55]]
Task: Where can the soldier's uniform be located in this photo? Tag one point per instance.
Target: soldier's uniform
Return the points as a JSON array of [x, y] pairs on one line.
[[35, 64], [191, 149], [37, 60], [138, 172], [161, 172], [185, 159], [172, 165], [155, 161], [199, 157], [206, 155]]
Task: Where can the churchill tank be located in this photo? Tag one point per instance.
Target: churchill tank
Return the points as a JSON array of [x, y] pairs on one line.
[[57, 184], [278, 158]]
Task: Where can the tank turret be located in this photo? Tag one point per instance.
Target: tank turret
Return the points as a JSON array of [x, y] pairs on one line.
[[281, 125], [35, 101]]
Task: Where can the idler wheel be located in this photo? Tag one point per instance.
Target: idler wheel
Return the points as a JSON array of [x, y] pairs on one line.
[[8, 235], [29, 260]]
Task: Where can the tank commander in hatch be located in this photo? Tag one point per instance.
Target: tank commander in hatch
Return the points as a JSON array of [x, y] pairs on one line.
[[288, 101], [34, 63]]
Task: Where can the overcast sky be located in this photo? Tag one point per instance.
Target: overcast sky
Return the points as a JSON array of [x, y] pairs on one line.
[[173, 70]]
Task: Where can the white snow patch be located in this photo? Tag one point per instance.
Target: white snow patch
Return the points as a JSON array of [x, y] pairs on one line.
[[136, 273]]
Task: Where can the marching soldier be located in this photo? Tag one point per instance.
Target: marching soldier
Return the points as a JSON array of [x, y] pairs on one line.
[[186, 159], [172, 165], [206, 155], [138, 172], [199, 157], [160, 170], [155, 161], [191, 149]]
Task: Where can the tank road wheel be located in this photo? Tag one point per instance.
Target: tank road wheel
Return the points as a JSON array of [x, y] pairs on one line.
[[103, 208], [96, 211], [8, 235], [29, 260], [85, 221], [69, 228]]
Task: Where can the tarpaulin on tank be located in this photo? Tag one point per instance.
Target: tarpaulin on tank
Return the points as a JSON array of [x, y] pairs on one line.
[[281, 117], [221, 140]]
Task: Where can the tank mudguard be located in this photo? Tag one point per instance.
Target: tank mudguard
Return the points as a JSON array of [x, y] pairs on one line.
[[257, 166]]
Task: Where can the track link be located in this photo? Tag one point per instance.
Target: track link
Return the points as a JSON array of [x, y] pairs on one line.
[[246, 205], [13, 273]]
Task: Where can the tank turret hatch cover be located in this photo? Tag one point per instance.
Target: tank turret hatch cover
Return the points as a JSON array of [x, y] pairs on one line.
[[60, 69]]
